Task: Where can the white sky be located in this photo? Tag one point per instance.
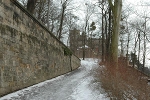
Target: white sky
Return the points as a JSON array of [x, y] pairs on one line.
[[138, 7], [134, 4]]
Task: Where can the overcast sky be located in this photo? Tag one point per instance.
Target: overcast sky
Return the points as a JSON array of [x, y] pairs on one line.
[[135, 2]]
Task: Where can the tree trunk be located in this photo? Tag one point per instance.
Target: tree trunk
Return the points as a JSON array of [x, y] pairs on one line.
[[61, 24], [108, 40], [135, 45], [31, 5], [116, 11], [139, 49], [62, 19], [103, 47], [40, 10], [128, 41], [48, 13], [83, 42], [144, 48], [106, 37]]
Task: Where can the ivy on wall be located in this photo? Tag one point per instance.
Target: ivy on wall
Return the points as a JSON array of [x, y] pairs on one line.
[[67, 51]]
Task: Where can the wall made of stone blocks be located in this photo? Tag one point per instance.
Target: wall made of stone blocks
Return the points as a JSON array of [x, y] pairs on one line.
[[75, 63], [29, 53]]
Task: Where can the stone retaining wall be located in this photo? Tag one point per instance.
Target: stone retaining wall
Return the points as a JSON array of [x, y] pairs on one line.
[[29, 53]]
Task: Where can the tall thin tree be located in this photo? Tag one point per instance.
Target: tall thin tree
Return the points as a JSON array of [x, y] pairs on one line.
[[116, 6]]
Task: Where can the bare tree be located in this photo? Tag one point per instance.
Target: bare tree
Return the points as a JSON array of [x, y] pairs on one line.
[[64, 5], [89, 12], [116, 7]]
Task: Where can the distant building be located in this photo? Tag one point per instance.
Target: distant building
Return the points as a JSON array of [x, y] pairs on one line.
[[74, 38], [92, 45]]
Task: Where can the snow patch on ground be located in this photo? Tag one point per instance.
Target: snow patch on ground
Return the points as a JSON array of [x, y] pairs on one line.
[[85, 89], [89, 63], [85, 92]]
